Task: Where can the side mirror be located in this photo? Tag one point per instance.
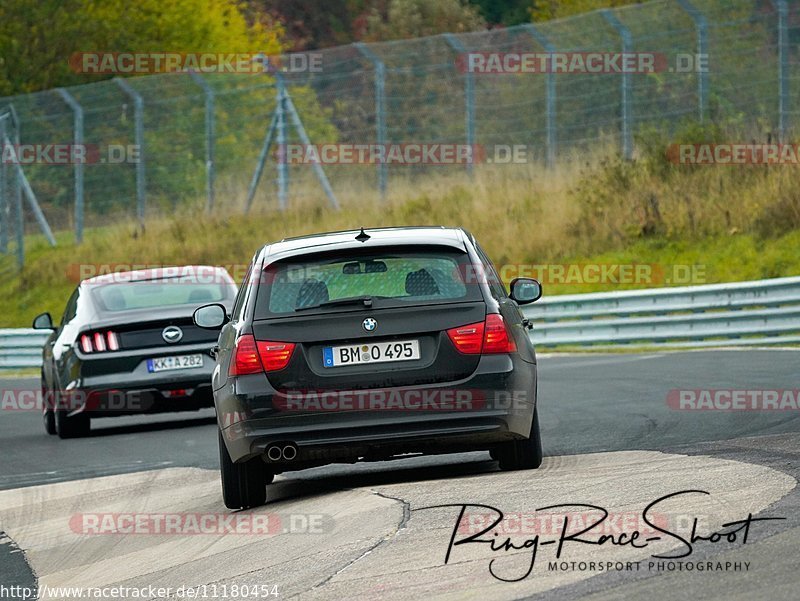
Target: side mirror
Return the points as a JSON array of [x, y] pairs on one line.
[[43, 322], [210, 317], [525, 290]]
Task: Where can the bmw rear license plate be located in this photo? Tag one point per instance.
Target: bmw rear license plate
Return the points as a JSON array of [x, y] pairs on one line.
[[373, 352], [176, 362]]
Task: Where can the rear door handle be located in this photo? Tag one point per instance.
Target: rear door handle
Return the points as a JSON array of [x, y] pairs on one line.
[[527, 323], [214, 350]]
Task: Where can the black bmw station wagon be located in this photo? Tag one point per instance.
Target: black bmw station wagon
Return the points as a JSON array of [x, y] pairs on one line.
[[365, 345]]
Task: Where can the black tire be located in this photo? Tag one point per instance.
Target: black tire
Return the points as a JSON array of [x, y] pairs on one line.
[[76, 426], [48, 416], [49, 419], [523, 454], [244, 485]]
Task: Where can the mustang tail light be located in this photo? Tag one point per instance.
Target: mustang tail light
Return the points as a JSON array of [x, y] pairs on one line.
[[484, 337], [99, 342]]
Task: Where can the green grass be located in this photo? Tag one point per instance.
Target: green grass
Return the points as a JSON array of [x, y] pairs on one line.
[[719, 224], [710, 260]]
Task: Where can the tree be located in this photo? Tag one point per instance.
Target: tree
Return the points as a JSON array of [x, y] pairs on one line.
[[416, 18], [545, 10], [38, 38], [504, 12], [308, 27]]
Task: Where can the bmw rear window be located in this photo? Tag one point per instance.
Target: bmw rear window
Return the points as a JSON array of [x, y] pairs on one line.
[[391, 278]]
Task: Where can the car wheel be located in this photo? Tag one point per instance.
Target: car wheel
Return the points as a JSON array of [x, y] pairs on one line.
[[244, 485], [48, 416], [75, 426], [49, 419], [523, 454]]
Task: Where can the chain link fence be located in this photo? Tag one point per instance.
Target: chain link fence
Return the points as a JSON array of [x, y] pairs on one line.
[[155, 143]]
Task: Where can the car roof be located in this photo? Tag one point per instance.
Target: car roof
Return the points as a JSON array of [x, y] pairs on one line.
[[159, 273], [346, 240]]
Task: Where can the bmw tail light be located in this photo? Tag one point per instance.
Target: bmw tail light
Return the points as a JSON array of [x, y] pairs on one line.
[[467, 339], [253, 357], [275, 355], [485, 337], [99, 342], [496, 337], [245, 359]]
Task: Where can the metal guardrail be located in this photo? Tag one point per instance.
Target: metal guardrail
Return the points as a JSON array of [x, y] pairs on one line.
[[763, 312], [21, 348]]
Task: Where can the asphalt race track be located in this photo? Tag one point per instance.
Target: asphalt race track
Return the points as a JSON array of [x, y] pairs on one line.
[[361, 532]]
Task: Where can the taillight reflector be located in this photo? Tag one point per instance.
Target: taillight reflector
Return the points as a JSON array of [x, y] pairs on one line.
[[99, 342], [275, 355], [496, 337], [86, 344], [245, 357], [485, 337], [467, 339], [113, 343], [252, 357]]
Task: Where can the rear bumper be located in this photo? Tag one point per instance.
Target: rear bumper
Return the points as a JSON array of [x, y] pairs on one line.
[[103, 402], [106, 388], [495, 404]]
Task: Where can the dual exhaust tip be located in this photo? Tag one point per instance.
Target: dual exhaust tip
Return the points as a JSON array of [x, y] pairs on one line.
[[282, 451]]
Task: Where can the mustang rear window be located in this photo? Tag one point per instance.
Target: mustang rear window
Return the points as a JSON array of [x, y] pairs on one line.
[[386, 279], [123, 296]]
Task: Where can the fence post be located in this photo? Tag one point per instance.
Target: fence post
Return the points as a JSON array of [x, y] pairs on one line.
[[19, 216], [283, 166], [77, 140], [4, 219], [262, 159], [783, 65], [380, 110], [469, 98], [701, 25], [138, 116], [210, 138], [290, 108], [625, 83], [550, 94]]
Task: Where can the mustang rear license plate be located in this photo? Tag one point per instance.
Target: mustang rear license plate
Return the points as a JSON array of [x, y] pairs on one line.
[[176, 362], [373, 352]]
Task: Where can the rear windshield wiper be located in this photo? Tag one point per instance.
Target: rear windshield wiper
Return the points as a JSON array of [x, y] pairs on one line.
[[365, 301]]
